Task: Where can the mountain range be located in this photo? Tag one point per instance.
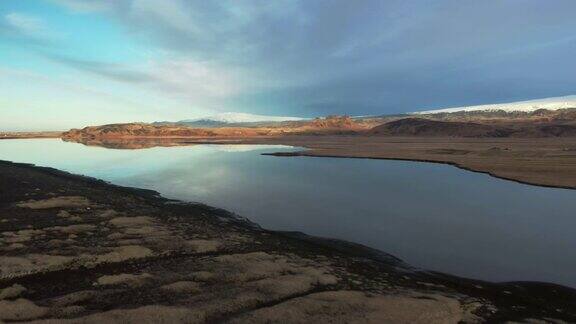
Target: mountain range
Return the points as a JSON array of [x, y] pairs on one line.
[[236, 119], [232, 119], [554, 103]]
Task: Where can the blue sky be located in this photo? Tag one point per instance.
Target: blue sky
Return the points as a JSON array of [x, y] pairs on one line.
[[71, 63]]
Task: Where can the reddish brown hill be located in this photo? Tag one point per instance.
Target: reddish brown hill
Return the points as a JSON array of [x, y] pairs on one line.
[[546, 131], [433, 128], [318, 126], [147, 130], [334, 122]]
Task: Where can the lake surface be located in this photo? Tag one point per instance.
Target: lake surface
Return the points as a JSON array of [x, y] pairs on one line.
[[432, 216]]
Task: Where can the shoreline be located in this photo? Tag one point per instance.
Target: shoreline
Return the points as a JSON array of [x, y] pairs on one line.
[[30, 135], [545, 162], [552, 164], [453, 164], [140, 242]]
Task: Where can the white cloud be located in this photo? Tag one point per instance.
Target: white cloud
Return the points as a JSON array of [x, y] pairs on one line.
[[25, 23], [195, 78], [28, 26]]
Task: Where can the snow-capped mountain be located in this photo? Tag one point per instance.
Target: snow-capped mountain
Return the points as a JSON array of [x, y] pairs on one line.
[[230, 119], [234, 118], [554, 103]]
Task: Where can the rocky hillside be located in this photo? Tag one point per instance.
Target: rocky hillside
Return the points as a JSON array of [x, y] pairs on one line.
[[318, 126], [425, 127], [147, 130], [334, 122], [502, 117], [540, 123], [546, 131], [434, 128]]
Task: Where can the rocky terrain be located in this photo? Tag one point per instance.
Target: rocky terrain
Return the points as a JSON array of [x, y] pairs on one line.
[[78, 250]]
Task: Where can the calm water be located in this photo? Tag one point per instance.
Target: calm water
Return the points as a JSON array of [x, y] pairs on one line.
[[432, 216]]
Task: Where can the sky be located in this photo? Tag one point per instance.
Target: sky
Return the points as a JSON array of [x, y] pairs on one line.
[[73, 63]]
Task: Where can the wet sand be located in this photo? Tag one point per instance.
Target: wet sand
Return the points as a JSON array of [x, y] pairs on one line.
[[80, 249]]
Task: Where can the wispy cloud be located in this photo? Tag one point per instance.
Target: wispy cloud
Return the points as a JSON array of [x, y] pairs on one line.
[[25, 24], [118, 72], [185, 78], [20, 25]]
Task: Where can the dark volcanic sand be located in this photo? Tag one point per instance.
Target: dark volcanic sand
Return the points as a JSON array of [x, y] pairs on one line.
[[78, 248]]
